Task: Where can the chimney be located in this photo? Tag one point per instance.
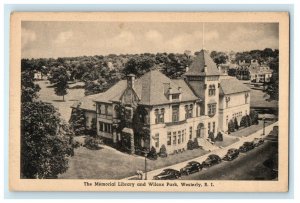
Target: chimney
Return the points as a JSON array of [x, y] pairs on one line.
[[205, 68], [186, 69], [130, 80], [166, 88]]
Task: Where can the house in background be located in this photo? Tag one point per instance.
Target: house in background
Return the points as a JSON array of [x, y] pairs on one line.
[[155, 110], [260, 72]]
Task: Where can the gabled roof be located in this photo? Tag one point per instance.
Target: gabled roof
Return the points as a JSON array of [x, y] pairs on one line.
[[112, 93], [86, 103], [150, 88], [201, 60], [231, 86]]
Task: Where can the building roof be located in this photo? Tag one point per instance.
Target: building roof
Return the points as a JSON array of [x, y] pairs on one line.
[[259, 69], [150, 88], [232, 86], [86, 103], [113, 93], [201, 60]]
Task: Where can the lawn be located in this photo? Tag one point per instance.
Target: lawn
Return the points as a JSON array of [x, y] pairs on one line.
[[258, 98], [108, 163], [47, 94]]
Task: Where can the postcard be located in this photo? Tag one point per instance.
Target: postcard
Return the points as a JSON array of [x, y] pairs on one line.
[[149, 101]]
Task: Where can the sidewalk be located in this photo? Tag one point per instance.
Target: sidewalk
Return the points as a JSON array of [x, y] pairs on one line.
[[221, 152]]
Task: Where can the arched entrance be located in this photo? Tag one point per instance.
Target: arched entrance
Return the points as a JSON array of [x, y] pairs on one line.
[[200, 130]]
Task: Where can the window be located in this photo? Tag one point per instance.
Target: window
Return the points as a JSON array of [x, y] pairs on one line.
[[169, 138], [211, 90], [175, 96], [175, 113], [227, 100], [156, 112], [208, 127], [211, 109], [191, 132], [105, 127], [246, 98], [226, 120], [156, 140], [102, 109], [189, 111], [174, 138], [100, 126], [159, 115], [179, 137], [214, 127], [183, 136]]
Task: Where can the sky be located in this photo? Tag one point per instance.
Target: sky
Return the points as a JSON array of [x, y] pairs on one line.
[[52, 39]]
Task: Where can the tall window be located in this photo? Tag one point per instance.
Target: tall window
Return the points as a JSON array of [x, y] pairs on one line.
[[226, 120], [211, 109], [211, 90], [191, 132], [214, 127], [156, 140], [159, 115], [189, 111], [183, 136], [179, 137], [246, 98], [174, 138], [169, 138], [175, 113], [208, 127]]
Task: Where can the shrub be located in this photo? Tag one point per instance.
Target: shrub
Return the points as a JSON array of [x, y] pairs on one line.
[[230, 126], [196, 144], [163, 151], [190, 145], [254, 117], [92, 143], [248, 121], [243, 122], [152, 154], [219, 137], [236, 125], [211, 136]]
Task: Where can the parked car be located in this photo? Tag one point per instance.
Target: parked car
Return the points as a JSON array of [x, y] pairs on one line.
[[258, 141], [247, 146], [211, 160], [167, 174], [191, 167], [231, 154]]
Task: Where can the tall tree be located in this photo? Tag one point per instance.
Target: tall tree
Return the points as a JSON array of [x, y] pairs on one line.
[[45, 141], [61, 86], [78, 121], [29, 89]]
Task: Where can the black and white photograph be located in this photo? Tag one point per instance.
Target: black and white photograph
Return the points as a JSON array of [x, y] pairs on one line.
[[166, 105]]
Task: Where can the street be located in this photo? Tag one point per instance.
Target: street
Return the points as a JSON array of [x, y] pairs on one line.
[[248, 166]]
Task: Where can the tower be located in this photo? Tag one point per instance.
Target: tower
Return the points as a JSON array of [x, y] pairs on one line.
[[203, 77]]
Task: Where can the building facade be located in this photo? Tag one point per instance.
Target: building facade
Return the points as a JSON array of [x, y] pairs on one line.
[[154, 110]]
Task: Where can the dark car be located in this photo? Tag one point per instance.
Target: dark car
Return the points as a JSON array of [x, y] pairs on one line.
[[258, 141], [247, 146], [191, 167], [211, 160], [167, 174], [231, 154]]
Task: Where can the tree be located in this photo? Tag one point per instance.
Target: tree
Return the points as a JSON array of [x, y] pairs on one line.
[[78, 121], [46, 142], [61, 86], [230, 126], [273, 87], [219, 57], [29, 89]]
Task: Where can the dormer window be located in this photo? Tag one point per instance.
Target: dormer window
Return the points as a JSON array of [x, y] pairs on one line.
[[175, 96]]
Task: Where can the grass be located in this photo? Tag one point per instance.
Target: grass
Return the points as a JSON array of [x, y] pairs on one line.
[[47, 94], [109, 163]]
